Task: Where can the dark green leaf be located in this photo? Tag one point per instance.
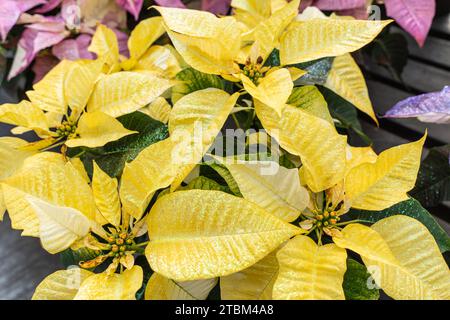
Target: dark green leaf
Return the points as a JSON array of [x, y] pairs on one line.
[[113, 156], [345, 112], [71, 257], [317, 71], [273, 60], [356, 283], [204, 183], [286, 162], [226, 175], [194, 80], [433, 181], [410, 208], [391, 51], [143, 263]]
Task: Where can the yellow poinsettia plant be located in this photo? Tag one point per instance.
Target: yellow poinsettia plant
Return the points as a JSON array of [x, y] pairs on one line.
[[145, 202]]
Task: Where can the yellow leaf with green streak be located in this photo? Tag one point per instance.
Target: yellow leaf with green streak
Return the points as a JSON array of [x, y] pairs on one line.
[[201, 234], [310, 272]]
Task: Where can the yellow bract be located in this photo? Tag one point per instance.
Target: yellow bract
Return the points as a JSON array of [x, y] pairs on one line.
[[159, 110], [26, 115], [204, 234], [61, 285], [402, 257], [144, 35], [111, 287], [254, 283], [318, 38], [310, 272], [104, 44], [95, 129], [161, 288], [346, 79], [379, 185], [272, 187], [125, 92], [106, 195]]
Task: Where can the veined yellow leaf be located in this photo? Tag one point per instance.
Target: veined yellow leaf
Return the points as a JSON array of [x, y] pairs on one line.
[[59, 227], [273, 90], [402, 257], [106, 195], [346, 79], [79, 166], [268, 32], [144, 35], [309, 99], [315, 140], [270, 186], [318, 38], [95, 129], [11, 156], [152, 170], [357, 156], [159, 110], [125, 92], [310, 272], [160, 61], [24, 114], [194, 123], [80, 83], [201, 234], [49, 177], [104, 43], [377, 186], [254, 283], [251, 12], [49, 93], [162, 288], [61, 285], [111, 287]]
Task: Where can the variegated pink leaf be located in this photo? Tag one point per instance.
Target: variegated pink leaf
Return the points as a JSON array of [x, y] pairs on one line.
[[122, 38], [360, 13], [49, 6], [132, 6], [337, 5], [10, 11], [415, 16], [430, 107], [73, 49], [216, 6], [304, 4], [31, 42], [170, 3]]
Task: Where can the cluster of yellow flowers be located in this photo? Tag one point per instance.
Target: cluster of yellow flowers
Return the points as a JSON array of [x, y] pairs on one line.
[[280, 235]]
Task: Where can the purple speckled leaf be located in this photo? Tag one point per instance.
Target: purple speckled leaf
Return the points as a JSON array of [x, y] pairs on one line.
[[73, 49], [132, 6], [10, 11], [42, 65], [216, 6], [430, 107], [31, 42], [170, 3], [49, 6], [415, 16], [337, 5]]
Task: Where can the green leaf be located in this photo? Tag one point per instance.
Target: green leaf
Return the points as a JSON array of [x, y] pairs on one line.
[[193, 80], [345, 113], [71, 257], [356, 283], [204, 183], [141, 261], [227, 177], [433, 181], [411, 208], [112, 157], [317, 71], [391, 51], [273, 60]]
